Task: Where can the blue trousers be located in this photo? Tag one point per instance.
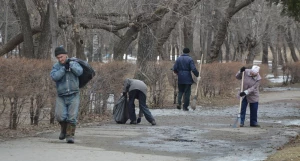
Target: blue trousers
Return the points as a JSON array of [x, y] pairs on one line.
[[137, 94], [66, 108], [186, 90], [253, 112]]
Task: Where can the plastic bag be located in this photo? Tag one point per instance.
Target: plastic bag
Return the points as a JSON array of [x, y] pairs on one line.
[[87, 74], [120, 110]]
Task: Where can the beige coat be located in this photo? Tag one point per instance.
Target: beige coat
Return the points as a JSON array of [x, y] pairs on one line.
[[250, 86]]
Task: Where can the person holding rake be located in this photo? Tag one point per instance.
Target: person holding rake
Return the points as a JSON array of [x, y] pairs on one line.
[[250, 93]]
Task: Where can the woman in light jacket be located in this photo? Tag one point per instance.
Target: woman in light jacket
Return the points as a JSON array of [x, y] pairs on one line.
[[250, 93]]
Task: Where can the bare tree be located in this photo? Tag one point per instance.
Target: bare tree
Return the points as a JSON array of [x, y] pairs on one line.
[[222, 27], [26, 29]]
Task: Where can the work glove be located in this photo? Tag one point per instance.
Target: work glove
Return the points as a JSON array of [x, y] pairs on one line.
[[198, 78], [138, 120], [124, 93], [67, 64], [242, 69], [242, 94]]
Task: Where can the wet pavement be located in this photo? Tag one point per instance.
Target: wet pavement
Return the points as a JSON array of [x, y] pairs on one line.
[[200, 135]]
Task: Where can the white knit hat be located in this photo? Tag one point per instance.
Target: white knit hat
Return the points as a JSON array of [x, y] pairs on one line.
[[255, 69]]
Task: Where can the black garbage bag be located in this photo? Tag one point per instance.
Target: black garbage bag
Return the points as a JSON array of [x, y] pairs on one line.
[[120, 110], [87, 74]]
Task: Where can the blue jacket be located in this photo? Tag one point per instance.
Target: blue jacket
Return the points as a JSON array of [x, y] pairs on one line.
[[67, 82], [183, 67]]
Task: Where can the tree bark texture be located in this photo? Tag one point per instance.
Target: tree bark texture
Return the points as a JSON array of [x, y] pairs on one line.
[[177, 12], [222, 28], [188, 35], [15, 41], [289, 40], [28, 49], [131, 34], [45, 37], [265, 44]]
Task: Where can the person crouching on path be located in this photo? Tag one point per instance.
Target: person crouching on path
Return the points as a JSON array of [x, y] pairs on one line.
[[137, 89], [250, 93], [65, 73], [183, 67]]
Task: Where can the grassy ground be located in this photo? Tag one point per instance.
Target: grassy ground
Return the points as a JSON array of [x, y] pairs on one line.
[[289, 152]]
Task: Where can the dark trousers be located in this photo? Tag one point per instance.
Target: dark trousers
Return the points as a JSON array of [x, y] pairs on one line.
[[253, 112], [186, 90], [137, 94]]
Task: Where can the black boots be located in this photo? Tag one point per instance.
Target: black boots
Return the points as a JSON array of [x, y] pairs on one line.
[[70, 132], [63, 128]]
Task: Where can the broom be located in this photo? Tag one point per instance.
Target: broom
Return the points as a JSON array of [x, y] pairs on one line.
[[194, 101], [237, 122]]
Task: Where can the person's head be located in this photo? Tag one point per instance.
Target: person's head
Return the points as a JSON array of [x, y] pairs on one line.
[[186, 50], [61, 54], [254, 70]]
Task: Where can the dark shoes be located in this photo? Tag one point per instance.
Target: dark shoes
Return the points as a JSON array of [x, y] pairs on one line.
[[62, 136], [70, 139], [185, 109], [63, 130], [138, 120], [179, 108], [153, 123], [133, 122], [255, 125], [241, 125]]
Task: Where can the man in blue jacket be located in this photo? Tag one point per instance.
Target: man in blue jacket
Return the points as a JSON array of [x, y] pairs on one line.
[[183, 67], [65, 73]]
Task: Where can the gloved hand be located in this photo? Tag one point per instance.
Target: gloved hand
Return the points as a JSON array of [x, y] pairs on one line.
[[138, 120], [198, 78], [242, 94], [67, 65], [242, 69], [124, 93]]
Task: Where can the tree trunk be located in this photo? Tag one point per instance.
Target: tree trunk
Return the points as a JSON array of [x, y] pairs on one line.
[[45, 38], [13, 113], [53, 27], [78, 42], [31, 110], [26, 29], [188, 35], [121, 46], [164, 33], [146, 46], [279, 46], [222, 28], [285, 54], [227, 56], [265, 44], [289, 40], [274, 61], [39, 106], [15, 41]]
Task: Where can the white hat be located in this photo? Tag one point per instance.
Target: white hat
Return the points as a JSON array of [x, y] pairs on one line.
[[255, 69]]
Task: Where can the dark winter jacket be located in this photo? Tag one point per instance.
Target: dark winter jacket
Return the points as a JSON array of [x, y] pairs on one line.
[[67, 82], [183, 67]]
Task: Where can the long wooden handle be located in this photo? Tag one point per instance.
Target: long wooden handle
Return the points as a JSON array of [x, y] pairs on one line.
[[241, 98], [199, 74]]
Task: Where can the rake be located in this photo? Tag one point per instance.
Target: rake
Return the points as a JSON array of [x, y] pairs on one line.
[[237, 122], [194, 101]]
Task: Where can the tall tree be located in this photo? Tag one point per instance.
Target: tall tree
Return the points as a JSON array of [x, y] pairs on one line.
[[28, 49], [222, 27]]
